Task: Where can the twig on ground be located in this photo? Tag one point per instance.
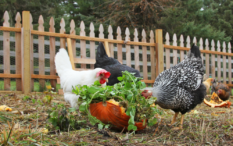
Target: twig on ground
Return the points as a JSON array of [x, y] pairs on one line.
[[155, 138], [158, 127]]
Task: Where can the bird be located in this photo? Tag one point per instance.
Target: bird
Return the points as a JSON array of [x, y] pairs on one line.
[[180, 87], [112, 65], [70, 78], [223, 91], [147, 93], [208, 83]]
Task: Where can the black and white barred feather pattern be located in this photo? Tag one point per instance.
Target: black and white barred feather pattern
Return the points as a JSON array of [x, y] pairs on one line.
[[176, 88]]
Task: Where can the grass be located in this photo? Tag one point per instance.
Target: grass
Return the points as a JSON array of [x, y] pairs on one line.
[[36, 86], [202, 126]]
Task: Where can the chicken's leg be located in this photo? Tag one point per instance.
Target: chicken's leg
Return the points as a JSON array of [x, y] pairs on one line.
[[174, 119], [181, 121], [181, 124]]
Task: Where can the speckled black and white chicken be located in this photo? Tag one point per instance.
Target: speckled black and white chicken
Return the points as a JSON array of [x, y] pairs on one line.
[[180, 87]]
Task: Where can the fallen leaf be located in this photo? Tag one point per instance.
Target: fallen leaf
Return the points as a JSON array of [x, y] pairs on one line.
[[196, 112], [5, 108], [220, 112], [49, 87], [213, 114], [17, 112], [17, 126], [44, 130], [28, 111]]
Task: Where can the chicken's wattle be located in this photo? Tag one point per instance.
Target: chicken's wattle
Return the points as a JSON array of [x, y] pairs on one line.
[[102, 81], [104, 75]]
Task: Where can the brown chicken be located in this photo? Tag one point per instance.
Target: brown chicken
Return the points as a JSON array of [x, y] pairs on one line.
[[208, 83], [223, 91]]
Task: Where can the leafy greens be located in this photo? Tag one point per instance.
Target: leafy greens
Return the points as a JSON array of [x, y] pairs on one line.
[[127, 92]]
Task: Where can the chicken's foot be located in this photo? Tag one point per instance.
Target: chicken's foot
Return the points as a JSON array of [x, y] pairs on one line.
[[181, 124], [174, 119]]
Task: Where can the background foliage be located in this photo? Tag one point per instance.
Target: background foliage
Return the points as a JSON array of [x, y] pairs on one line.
[[210, 19]]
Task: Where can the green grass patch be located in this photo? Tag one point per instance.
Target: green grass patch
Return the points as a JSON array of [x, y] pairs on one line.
[[36, 86]]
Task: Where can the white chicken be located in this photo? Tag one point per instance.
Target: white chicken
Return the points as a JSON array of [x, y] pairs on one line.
[[70, 78]]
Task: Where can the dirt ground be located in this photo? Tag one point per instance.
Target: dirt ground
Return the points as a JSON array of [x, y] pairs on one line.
[[28, 124]]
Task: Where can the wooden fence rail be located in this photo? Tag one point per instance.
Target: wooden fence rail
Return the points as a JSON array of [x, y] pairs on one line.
[[88, 46], [149, 57]]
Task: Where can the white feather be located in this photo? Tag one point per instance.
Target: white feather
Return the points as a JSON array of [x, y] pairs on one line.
[[69, 78], [199, 81]]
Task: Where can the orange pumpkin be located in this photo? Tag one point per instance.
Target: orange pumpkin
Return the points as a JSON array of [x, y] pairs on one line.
[[215, 101], [111, 113]]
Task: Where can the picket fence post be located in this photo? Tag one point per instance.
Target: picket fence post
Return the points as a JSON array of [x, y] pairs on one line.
[[25, 42], [6, 46], [159, 51], [18, 51]]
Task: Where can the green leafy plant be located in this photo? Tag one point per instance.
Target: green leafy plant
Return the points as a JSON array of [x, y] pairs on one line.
[[39, 102], [33, 100], [26, 98], [47, 99], [62, 118], [127, 92]]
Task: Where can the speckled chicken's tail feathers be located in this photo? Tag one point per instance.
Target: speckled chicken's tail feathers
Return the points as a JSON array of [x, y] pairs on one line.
[[195, 51]]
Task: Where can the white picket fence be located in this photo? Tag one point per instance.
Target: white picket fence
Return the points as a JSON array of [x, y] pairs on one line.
[[174, 58], [216, 66]]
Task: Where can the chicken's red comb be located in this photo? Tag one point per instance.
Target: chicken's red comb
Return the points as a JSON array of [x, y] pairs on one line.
[[106, 73], [146, 93]]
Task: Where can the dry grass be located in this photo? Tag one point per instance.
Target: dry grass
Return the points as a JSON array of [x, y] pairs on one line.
[[202, 126]]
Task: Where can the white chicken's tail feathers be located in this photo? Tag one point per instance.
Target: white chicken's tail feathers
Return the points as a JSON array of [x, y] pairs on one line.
[[62, 62]]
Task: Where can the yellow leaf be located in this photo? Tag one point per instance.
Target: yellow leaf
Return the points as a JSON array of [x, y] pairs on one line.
[[44, 130], [195, 112], [5, 108], [213, 114], [47, 99], [49, 87], [46, 92]]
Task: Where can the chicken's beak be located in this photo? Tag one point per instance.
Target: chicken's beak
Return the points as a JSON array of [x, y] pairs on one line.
[[106, 80]]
